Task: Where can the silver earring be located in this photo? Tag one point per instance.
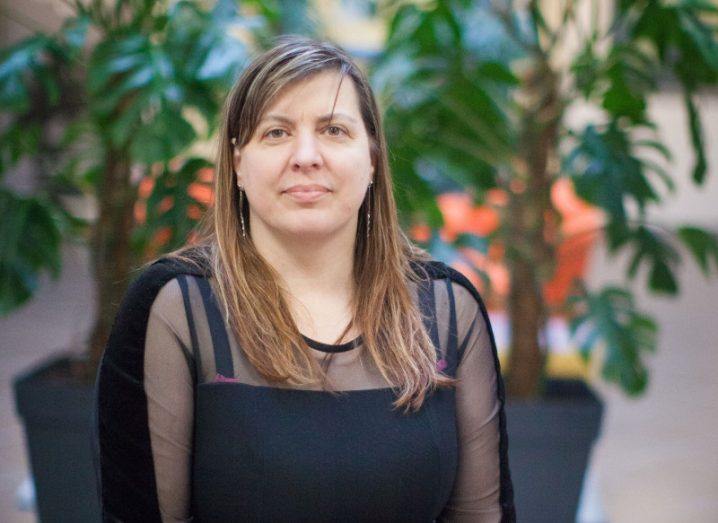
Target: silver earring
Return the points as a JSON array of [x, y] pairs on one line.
[[241, 210], [368, 209]]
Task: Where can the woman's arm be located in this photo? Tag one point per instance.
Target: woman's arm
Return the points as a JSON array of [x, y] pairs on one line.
[[145, 408], [476, 494]]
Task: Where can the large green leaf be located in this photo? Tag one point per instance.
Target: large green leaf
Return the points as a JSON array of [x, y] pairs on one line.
[[29, 244], [611, 318], [607, 169], [167, 135], [654, 248], [630, 76], [702, 244], [18, 65]]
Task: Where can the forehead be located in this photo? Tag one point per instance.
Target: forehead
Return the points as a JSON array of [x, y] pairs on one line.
[[319, 93]]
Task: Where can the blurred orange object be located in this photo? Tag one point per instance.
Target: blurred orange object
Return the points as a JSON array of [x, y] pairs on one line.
[[460, 216], [201, 191], [579, 230]]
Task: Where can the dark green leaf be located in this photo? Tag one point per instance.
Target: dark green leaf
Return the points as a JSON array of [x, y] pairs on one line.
[[655, 250], [702, 244], [29, 245], [700, 168], [606, 170], [662, 279], [610, 316], [163, 138]]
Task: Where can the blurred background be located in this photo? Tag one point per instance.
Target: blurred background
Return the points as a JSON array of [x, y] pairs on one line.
[[560, 153]]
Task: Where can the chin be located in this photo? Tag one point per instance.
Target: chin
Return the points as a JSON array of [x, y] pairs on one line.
[[311, 229], [317, 232]]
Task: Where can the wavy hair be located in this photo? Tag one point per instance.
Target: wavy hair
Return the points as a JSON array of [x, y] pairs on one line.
[[385, 260]]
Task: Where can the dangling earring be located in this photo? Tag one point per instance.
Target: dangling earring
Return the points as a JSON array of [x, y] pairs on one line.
[[368, 209], [241, 210]]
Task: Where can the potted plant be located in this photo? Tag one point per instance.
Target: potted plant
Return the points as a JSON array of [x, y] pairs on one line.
[[106, 108], [478, 97]]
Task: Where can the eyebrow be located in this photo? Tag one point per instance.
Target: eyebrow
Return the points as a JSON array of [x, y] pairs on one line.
[[323, 118]]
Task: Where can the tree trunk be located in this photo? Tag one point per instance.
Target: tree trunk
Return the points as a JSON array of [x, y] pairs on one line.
[[531, 222], [112, 259]]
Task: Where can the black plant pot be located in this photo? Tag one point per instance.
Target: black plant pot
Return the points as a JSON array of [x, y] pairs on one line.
[[550, 441], [57, 413]]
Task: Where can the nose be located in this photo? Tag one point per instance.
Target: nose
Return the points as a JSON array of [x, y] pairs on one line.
[[306, 155]]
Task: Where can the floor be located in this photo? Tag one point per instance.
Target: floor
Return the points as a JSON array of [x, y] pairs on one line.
[[58, 317], [657, 457]]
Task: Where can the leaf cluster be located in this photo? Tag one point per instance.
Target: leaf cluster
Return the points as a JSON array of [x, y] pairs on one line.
[[136, 82]]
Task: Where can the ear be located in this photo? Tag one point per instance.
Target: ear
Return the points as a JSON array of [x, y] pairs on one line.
[[236, 161]]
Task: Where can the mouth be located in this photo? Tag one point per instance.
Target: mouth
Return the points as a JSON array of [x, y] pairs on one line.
[[306, 193]]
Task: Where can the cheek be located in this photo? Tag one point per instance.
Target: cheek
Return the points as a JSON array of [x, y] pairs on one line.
[[360, 173], [258, 170]]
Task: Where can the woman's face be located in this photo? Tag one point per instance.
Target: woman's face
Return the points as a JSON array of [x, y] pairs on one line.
[[304, 176]]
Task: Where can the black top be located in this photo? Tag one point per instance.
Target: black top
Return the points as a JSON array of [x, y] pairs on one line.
[[187, 429]]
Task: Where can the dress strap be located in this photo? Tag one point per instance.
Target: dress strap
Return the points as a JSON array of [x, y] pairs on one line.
[[451, 354], [217, 329], [197, 368], [427, 307]]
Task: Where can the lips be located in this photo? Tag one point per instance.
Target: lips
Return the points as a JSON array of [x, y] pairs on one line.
[[307, 188], [307, 193]]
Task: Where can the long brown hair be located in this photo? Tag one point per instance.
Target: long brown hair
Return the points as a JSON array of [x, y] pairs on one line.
[[249, 288]]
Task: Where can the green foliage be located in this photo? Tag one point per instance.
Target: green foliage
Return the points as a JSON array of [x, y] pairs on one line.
[[659, 254], [148, 89], [608, 172], [457, 77], [610, 317], [29, 241], [29, 87], [446, 102], [683, 36], [703, 245], [140, 84]]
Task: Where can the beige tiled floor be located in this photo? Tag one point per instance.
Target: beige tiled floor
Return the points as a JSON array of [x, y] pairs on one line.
[[56, 318], [656, 460]]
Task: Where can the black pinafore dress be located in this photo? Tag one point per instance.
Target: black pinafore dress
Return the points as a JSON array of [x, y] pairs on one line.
[[287, 455]]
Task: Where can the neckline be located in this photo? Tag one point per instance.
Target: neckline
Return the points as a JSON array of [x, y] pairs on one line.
[[328, 347]]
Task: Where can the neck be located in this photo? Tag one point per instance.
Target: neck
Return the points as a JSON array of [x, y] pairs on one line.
[[310, 267]]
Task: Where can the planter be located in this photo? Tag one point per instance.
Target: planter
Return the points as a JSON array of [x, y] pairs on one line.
[[550, 441], [57, 414]]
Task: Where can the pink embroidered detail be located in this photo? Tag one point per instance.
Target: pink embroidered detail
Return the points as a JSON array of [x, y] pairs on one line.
[[224, 379], [441, 364]]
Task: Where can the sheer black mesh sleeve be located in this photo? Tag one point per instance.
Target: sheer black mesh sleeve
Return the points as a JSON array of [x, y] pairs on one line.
[[476, 493], [145, 407]]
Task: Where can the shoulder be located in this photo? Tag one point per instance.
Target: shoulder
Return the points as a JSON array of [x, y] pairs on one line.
[[463, 290], [132, 316], [150, 281]]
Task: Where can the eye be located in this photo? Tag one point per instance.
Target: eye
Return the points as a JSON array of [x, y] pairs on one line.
[[274, 133], [335, 130]]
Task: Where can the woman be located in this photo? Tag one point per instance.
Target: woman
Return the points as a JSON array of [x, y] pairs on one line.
[[304, 362]]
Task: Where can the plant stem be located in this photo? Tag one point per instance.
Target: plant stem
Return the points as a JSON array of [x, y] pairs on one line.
[[531, 257], [111, 247]]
